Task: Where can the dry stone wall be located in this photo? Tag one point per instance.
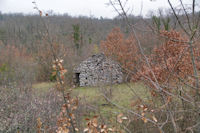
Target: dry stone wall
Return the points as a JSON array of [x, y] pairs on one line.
[[98, 70]]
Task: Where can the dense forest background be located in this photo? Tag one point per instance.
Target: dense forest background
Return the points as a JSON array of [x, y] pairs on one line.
[[79, 37], [159, 56]]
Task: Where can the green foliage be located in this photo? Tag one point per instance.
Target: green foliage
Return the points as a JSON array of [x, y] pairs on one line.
[[157, 22], [76, 35], [2, 35], [1, 16], [6, 74], [90, 40], [4, 68], [166, 23], [52, 78]]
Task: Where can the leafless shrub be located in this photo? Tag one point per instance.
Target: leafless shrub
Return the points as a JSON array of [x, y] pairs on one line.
[[20, 108]]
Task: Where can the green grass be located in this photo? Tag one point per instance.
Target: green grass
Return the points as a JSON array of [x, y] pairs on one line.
[[122, 95], [42, 88]]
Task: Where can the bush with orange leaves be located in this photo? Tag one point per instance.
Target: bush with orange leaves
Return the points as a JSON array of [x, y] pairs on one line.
[[172, 60], [121, 49]]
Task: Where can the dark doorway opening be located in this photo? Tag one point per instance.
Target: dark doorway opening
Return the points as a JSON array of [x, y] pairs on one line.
[[77, 79]]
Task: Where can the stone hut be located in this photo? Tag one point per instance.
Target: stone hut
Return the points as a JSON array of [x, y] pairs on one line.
[[98, 70]]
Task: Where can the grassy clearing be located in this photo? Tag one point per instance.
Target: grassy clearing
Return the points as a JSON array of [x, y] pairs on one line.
[[42, 88], [122, 95]]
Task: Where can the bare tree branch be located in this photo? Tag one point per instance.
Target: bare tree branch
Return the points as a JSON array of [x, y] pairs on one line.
[[186, 14], [178, 18]]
